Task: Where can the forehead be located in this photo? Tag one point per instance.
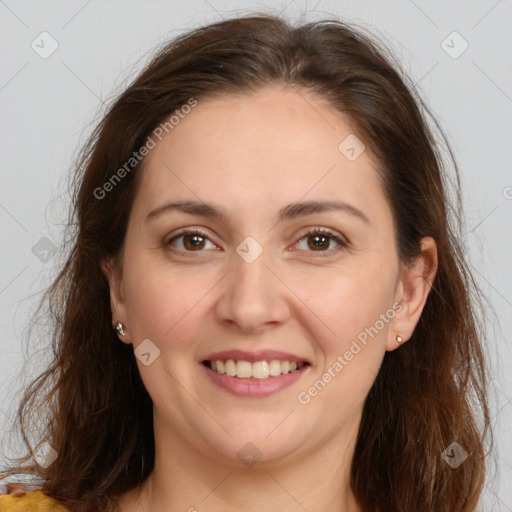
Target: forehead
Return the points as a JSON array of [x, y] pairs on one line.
[[279, 121], [276, 145]]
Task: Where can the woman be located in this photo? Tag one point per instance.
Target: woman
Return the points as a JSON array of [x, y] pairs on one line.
[[265, 306]]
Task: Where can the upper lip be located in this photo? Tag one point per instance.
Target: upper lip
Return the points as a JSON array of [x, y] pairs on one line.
[[253, 356]]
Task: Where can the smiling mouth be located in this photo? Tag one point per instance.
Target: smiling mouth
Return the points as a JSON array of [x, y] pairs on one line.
[[259, 370]]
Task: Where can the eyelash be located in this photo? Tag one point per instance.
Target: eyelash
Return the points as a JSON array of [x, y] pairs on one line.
[[312, 232]]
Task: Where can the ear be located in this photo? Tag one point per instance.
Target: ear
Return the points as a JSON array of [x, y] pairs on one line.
[[412, 291], [117, 300]]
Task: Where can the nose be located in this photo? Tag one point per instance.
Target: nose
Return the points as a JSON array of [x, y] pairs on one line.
[[253, 297]]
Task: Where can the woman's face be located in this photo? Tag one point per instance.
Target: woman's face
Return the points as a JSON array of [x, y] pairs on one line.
[[259, 278]]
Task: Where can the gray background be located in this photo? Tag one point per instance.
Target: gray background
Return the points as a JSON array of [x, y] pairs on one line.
[[49, 105]]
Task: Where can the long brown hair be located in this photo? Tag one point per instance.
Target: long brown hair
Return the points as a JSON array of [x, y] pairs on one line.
[[430, 392]]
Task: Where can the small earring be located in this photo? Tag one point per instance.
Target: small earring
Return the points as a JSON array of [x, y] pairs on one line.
[[120, 329], [399, 338]]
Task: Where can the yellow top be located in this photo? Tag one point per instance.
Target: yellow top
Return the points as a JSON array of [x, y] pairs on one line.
[[33, 501]]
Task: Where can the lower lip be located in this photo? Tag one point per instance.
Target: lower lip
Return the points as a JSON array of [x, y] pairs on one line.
[[254, 388]]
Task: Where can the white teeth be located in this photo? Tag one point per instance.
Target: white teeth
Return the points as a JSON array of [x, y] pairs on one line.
[[244, 369], [275, 368], [230, 368], [259, 370]]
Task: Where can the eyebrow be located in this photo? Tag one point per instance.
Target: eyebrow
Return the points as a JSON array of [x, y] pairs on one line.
[[289, 212]]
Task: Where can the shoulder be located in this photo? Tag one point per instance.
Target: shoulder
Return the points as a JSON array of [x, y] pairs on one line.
[[33, 501]]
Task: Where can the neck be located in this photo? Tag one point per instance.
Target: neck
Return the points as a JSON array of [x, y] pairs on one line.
[[184, 479]]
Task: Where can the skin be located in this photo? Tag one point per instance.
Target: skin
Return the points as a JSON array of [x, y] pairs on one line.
[[251, 156]]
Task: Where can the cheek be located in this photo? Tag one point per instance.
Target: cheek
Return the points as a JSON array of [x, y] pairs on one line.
[[350, 341], [162, 300], [348, 300]]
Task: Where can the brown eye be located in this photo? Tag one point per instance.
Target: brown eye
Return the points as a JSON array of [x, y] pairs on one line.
[[317, 242], [320, 241], [193, 242], [189, 241]]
